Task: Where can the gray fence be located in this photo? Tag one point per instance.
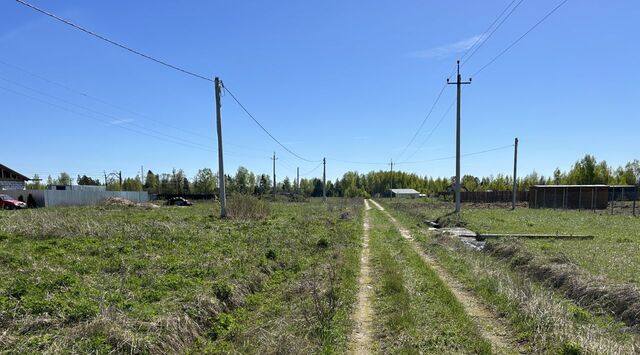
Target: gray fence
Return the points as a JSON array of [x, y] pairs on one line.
[[50, 198]]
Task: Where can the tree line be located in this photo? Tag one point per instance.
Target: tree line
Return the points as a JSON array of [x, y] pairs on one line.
[[352, 184]]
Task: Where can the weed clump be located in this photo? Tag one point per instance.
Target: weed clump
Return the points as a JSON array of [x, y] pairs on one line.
[[247, 207]]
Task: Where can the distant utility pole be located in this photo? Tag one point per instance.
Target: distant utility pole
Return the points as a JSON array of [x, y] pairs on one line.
[[515, 174], [223, 199], [391, 192], [120, 179], [105, 179], [458, 84], [142, 175], [324, 179], [298, 179], [274, 175]]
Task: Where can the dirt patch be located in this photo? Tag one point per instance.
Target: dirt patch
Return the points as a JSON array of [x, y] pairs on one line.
[[123, 202], [489, 324], [594, 293], [363, 316]]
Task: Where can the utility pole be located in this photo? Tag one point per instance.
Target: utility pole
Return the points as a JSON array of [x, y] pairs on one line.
[[391, 192], [223, 199], [274, 175], [298, 179], [458, 84], [120, 179], [141, 175], [515, 174], [105, 179], [324, 180]]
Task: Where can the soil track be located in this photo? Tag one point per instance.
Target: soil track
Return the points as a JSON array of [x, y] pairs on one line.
[[361, 339], [490, 325]]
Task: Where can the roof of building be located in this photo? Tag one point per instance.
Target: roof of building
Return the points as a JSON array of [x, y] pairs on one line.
[[10, 174], [404, 191]]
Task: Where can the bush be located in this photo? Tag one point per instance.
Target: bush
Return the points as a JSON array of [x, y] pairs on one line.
[[247, 207]]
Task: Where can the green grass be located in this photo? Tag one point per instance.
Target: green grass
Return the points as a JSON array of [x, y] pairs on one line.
[[172, 279], [614, 252], [542, 320], [415, 311]]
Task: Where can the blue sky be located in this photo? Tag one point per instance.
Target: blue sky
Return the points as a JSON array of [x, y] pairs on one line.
[[347, 80]]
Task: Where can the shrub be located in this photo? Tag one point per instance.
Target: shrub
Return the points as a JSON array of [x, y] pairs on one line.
[[247, 207]]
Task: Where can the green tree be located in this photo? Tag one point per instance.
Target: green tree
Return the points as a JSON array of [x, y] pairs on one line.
[[205, 182], [85, 180]]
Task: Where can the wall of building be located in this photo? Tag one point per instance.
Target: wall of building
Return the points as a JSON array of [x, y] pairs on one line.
[[11, 185]]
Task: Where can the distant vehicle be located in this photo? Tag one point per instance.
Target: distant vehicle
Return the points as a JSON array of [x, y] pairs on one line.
[[9, 203], [178, 201]]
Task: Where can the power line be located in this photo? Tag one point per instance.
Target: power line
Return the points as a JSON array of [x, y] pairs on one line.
[[117, 119], [356, 162], [174, 67], [434, 129], [483, 35], [166, 138], [312, 170], [453, 157], [521, 37], [264, 129], [495, 29], [424, 120], [102, 101]]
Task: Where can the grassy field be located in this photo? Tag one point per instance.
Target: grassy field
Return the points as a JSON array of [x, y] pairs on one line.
[[543, 318], [175, 279], [415, 311], [614, 252]]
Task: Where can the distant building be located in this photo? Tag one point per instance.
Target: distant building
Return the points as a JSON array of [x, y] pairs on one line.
[[11, 179], [410, 193]]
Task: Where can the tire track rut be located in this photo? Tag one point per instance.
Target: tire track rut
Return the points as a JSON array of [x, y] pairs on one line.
[[361, 338]]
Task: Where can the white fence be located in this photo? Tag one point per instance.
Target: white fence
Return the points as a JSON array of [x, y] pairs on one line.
[[50, 198]]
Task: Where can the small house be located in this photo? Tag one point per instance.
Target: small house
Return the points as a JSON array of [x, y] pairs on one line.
[[11, 179], [409, 193]]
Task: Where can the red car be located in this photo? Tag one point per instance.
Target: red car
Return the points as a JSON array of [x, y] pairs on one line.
[[9, 203]]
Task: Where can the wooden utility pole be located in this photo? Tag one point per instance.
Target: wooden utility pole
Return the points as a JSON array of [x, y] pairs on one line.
[[458, 84], [274, 175], [391, 191], [298, 179], [120, 179], [515, 174], [324, 180], [223, 199]]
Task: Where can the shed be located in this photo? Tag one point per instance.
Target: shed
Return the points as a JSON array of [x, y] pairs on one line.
[[11, 179], [623, 192], [569, 196], [411, 193]]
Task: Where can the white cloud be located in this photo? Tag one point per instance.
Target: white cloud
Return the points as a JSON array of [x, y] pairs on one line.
[[448, 49], [120, 122]]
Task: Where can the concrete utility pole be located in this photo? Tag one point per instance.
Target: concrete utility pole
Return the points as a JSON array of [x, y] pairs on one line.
[[141, 175], [391, 192], [324, 179], [458, 84], [515, 174], [223, 198], [274, 175]]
